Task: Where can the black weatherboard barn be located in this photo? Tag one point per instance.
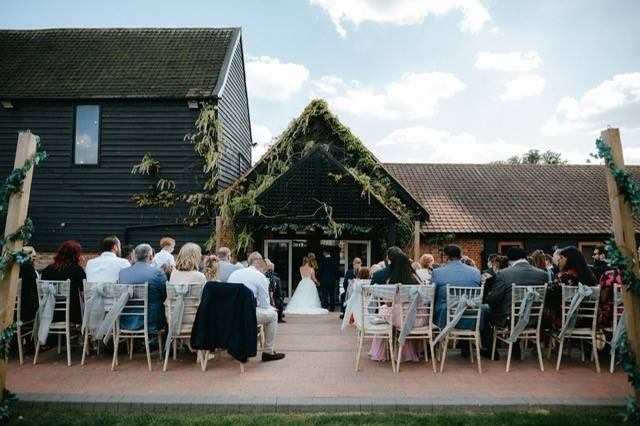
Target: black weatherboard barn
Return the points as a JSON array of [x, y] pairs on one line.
[[100, 99]]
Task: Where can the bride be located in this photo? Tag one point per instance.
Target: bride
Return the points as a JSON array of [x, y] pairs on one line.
[[305, 300]]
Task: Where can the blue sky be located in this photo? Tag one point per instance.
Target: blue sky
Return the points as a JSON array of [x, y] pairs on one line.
[[416, 80]]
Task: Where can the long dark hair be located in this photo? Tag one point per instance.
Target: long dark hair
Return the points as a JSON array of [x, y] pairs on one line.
[[68, 254], [576, 261], [401, 270]]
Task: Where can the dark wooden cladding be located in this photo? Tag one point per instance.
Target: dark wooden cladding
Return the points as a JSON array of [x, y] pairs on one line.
[[88, 202], [236, 127]]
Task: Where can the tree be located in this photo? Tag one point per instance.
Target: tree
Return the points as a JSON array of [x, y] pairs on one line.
[[534, 156]]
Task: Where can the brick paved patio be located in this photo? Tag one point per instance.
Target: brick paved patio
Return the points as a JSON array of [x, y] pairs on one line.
[[318, 371]]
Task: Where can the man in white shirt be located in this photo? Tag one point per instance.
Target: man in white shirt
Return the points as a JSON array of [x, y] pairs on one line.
[[254, 279], [226, 268], [165, 256], [106, 267]]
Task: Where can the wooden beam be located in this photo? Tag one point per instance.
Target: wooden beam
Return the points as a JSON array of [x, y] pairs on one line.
[[416, 240], [218, 232], [16, 215], [625, 237]]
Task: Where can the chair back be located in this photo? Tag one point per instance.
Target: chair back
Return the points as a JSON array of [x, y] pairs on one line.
[[425, 307], [455, 294], [191, 302], [62, 293], [588, 308], [518, 294], [376, 299], [618, 304], [138, 303]]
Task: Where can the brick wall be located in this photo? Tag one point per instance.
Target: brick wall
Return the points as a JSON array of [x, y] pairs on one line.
[[43, 259], [472, 247]]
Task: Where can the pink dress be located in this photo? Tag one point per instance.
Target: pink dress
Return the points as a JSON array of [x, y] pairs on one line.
[[412, 347]]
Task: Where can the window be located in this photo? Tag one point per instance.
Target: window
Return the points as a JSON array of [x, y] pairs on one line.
[[503, 246], [87, 135]]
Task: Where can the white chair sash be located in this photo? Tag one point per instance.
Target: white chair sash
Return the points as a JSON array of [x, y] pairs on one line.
[[175, 326], [462, 305], [104, 330], [44, 315], [418, 295], [94, 309], [572, 315], [525, 313], [353, 304], [620, 330]]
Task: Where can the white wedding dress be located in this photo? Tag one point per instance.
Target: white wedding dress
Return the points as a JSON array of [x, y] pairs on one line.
[[305, 300]]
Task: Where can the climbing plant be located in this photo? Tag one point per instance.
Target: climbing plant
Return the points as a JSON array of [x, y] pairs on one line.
[[163, 191], [13, 185], [630, 190]]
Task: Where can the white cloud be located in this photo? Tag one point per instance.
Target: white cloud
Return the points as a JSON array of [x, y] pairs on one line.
[[523, 86], [509, 61], [615, 102], [413, 96], [402, 12], [268, 78], [262, 137], [424, 144]]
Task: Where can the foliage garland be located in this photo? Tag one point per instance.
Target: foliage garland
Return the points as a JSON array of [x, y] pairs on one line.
[[13, 185], [630, 190], [163, 193]]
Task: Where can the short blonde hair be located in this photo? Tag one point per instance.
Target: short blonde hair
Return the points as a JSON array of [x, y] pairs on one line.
[[426, 260], [211, 268], [189, 257], [167, 241], [253, 257]]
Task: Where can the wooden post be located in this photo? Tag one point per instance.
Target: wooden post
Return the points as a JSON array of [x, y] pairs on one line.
[[218, 232], [625, 237], [416, 240], [16, 215]]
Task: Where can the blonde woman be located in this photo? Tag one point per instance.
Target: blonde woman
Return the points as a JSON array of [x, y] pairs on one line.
[[187, 262], [211, 268]]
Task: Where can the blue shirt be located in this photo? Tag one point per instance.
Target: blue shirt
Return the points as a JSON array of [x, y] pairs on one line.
[[457, 274], [139, 273]]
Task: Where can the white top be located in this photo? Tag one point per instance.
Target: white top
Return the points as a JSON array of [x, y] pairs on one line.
[[105, 268], [424, 275], [187, 277], [163, 257], [255, 281]]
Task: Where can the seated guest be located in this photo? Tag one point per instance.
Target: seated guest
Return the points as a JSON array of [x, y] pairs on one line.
[[275, 290], [211, 268], [374, 268], [106, 267], [426, 266], [538, 259], [607, 281], [382, 275], [573, 270], [187, 263], [226, 267], [490, 262], [127, 253], [254, 279], [468, 261], [499, 263], [600, 264], [165, 256], [456, 274], [139, 273], [29, 292], [548, 262], [499, 293], [348, 276], [66, 266]]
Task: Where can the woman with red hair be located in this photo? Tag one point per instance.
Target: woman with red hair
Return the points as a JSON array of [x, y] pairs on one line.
[[66, 266]]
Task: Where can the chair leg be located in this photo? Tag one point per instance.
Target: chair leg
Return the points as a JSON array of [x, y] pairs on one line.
[[539, 352], [59, 344], [470, 350], [560, 354], [19, 341], [444, 353], [613, 361], [166, 360], [130, 346], [426, 354], [175, 349], [594, 352], [478, 353], [493, 346], [359, 351], [146, 347], [394, 368], [241, 367], [68, 340], [160, 352], [397, 368], [433, 356], [116, 343], [523, 347], [509, 352], [582, 350], [35, 355], [85, 348]]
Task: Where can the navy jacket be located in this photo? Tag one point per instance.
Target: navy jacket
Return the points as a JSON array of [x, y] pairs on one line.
[[381, 276], [328, 270], [226, 319]]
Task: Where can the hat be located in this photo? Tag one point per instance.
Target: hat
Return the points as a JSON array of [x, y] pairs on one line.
[[516, 253]]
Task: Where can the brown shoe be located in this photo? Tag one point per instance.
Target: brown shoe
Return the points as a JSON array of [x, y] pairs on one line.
[[271, 357]]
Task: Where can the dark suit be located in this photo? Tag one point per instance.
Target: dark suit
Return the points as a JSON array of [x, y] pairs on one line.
[[349, 275], [381, 276], [328, 275]]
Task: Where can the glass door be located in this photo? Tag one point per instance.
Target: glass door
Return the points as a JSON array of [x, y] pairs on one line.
[[279, 252], [357, 248]]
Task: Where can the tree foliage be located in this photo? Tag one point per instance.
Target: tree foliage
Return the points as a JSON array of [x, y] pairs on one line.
[[534, 156]]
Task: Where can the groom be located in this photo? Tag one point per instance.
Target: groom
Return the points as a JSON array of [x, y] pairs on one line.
[[327, 275]]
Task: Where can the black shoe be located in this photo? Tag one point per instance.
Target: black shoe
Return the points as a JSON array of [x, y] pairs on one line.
[[341, 316], [486, 353], [282, 321], [271, 357]]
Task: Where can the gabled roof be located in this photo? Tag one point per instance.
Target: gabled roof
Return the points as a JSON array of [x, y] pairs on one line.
[[317, 125], [510, 199], [299, 195], [75, 63]]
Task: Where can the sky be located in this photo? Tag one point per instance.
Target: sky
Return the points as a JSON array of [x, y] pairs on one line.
[[435, 81]]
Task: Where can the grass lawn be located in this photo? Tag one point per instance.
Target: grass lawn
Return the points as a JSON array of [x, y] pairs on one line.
[[539, 417]]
